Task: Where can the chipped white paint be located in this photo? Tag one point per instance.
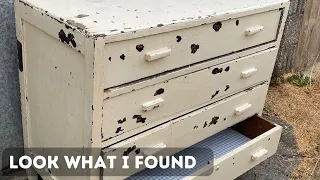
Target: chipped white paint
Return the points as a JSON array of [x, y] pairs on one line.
[[185, 93], [172, 135], [89, 63], [223, 109], [110, 17], [194, 47]]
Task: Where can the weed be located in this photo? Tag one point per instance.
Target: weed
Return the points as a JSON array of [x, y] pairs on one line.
[[268, 108], [299, 80]]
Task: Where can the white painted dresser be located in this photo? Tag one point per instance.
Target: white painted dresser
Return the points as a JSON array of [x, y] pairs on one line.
[[146, 73]]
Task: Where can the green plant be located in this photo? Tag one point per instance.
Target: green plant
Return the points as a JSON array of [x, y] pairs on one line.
[[268, 108], [299, 79]]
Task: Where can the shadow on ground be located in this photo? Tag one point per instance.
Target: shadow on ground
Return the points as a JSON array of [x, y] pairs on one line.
[[281, 165]]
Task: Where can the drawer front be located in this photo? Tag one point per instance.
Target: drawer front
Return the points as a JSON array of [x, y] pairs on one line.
[[130, 60], [199, 125], [174, 97], [147, 143]]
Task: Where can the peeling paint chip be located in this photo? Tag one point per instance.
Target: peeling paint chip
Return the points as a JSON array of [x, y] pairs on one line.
[[214, 121], [217, 92], [139, 118], [179, 38], [205, 124], [122, 57], [217, 26], [19, 45], [67, 39], [129, 150], [138, 151], [140, 47], [119, 129], [82, 16], [68, 27], [79, 26], [159, 92], [227, 88], [194, 48], [217, 70], [122, 120]]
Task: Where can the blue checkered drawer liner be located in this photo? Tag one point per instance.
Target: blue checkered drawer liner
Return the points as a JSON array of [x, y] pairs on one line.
[[221, 144]]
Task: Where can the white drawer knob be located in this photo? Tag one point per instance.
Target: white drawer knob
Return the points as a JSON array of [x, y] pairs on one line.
[[259, 154], [158, 54], [254, 30], [248, 72], [242, 109], [155, 149], [152, 104]]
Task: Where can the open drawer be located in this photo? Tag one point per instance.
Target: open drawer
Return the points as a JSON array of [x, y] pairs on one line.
[[235, 149]]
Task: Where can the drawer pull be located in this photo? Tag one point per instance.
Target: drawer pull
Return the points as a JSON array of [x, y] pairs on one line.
[[259, 154], [158, 54], [249, 72], [254, 30], [242, 109], [155, 149], [148, 106]]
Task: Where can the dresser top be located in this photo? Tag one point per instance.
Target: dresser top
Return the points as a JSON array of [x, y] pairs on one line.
[[111, 17]]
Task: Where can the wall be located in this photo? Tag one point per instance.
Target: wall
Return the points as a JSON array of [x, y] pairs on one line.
[[10, 116], [308, 51], [290, 39]]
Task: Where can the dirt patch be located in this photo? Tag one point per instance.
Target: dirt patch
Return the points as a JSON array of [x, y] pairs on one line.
[[300, 108]]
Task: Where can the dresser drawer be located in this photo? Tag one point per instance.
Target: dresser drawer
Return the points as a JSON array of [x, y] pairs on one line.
[[238, 148], [175, 97], [214, 118], [146, 143], [131, 60], [191, 128]]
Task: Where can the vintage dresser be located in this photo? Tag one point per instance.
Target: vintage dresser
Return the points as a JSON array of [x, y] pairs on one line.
[[146, 73]]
